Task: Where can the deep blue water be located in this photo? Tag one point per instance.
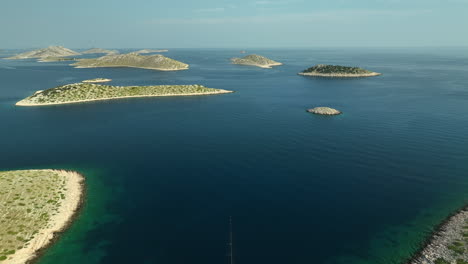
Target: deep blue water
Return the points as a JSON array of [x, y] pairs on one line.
[[165, 174]]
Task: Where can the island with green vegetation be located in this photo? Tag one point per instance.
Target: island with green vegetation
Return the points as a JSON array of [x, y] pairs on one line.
[[35, 206], [85, 92], [321, 110], [97, 80], [256, 60], [52, 51], [100, 51], [448, 244], [133, 60], [144, 51], [323, 70]]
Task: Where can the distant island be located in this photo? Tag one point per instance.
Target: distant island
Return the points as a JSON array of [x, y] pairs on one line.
[[323, 70], [256, 60], [36, 206], [143, 51], [448, 245], [54, 59], [133, 60], [97, 80], [52, 51], [84, 92], [100, 51], [324, 111]]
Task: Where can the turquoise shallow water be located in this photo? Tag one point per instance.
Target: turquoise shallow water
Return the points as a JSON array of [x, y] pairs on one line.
[[164, 174]]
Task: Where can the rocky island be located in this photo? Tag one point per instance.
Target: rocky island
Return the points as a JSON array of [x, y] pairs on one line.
[[133, 60], [100, 51], [36, 205], [97, 80], [449, 244], [323, 70], [84, 92], [256, 60], [50, 52], [324, 111]]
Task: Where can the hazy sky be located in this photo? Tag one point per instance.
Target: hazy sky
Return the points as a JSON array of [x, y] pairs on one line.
[[229, 23]]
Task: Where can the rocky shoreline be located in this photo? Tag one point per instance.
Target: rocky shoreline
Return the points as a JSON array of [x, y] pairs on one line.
[[448, 244], [340, 75]]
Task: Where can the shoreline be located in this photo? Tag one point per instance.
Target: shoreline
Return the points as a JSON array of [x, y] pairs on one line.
[[267, 66], [344, 75], [123, 97], [67, 214], [148, 68], [448, 231]]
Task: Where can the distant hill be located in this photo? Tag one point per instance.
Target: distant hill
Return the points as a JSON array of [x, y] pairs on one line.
[[134, 60], [98, 50], [256, 60], [52, 51]]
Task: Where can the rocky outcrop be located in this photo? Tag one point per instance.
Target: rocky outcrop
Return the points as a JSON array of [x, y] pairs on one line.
[[324, 111]]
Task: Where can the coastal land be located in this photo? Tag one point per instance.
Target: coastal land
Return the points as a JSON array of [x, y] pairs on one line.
[[97, 80], [338, 71], [256, 60], [133, 60], [86, 92], [321, 110], [449, 244], [55, 59], [35, 206], [50, 52]]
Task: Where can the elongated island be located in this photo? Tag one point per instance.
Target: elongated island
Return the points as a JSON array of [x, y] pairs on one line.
[[256, 60], [49, 52], [35, 206], [323, 70], [133, 60], [85, 92]]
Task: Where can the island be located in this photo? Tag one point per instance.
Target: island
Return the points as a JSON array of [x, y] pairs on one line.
[[133, 60], [36, 206], [150, 51], [448, 244], [97, 80], [256, 60], [52, 51], [324, 111], [85, 92], [54, 59], [100, 51], [323, 70]]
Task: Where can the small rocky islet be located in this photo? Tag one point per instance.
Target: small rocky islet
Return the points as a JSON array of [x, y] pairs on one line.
[[256, 60], [323, 70], [322, 110]]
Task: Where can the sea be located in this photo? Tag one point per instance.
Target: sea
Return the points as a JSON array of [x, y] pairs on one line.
[[164, 175]]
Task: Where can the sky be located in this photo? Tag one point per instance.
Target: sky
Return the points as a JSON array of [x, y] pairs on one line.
[[233, 24]]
